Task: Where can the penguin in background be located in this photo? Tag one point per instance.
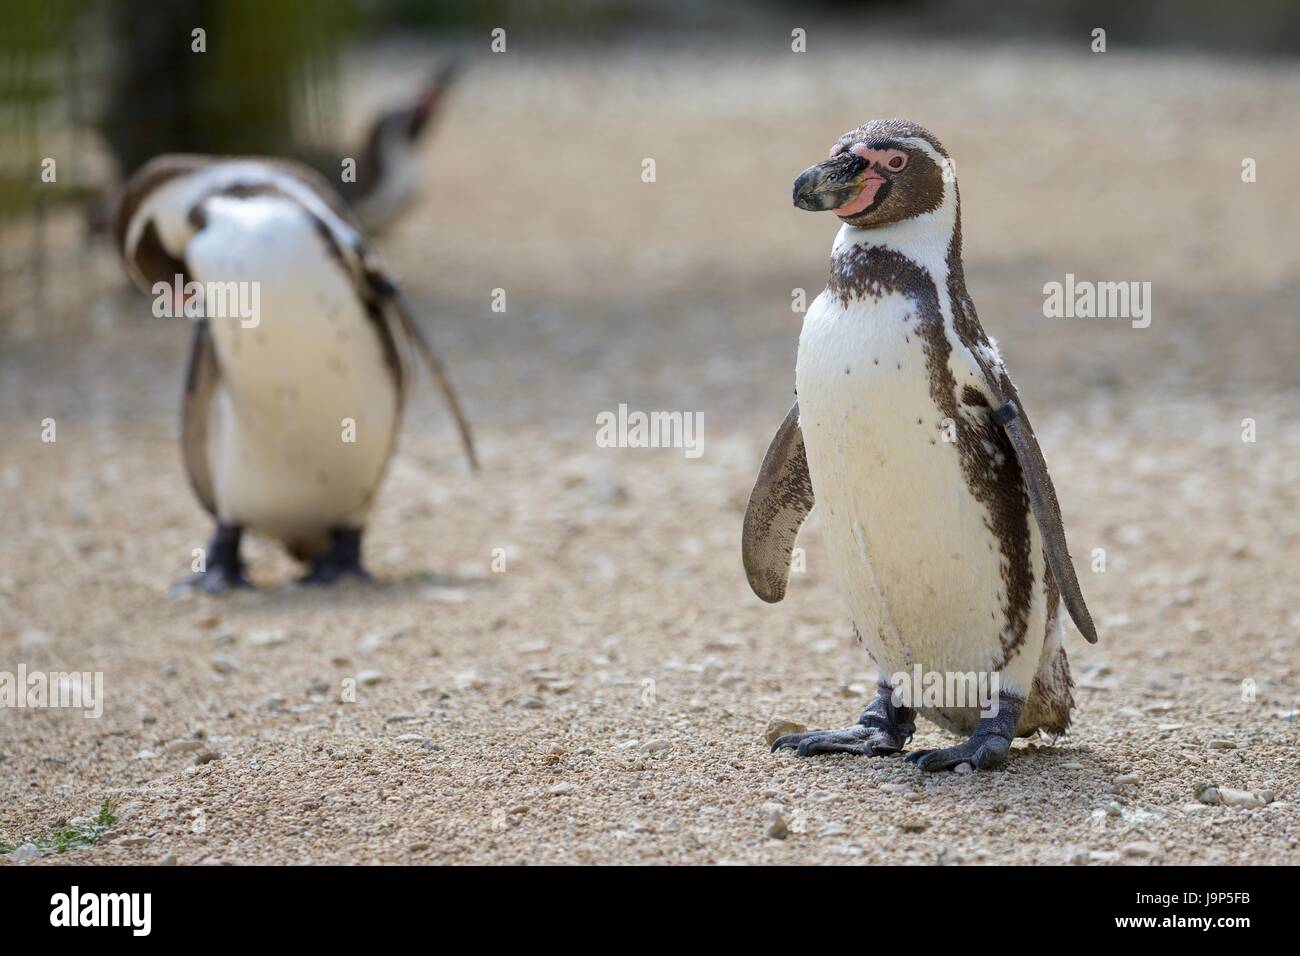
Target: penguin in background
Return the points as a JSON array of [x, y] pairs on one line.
[[388, 168], [942, 524], [291, 408], [386, 183]]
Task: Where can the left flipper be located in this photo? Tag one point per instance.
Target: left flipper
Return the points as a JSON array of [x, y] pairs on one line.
[[1047, 511]]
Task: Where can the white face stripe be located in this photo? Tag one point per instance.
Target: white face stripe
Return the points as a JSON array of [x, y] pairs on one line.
[[943, 162]]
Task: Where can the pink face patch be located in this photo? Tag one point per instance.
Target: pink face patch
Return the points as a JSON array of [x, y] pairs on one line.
[[887, 159], [870, 186], [890, 159]]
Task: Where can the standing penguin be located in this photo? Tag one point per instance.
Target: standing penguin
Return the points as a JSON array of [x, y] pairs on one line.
[[943, 526], [291, 409]]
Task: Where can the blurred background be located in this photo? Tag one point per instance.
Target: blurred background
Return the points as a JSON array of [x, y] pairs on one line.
[[1123, 165]]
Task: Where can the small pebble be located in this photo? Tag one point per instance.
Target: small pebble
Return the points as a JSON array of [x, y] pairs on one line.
[[1141, 850], [1208, 794], [224, 665], [778, 727], [777, 828], [269, 638], [1241, 798]]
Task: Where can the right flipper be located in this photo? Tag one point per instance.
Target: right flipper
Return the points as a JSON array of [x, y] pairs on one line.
[[201, 378], [778, 505]]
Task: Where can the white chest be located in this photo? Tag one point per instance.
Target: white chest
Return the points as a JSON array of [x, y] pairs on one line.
[[303, 421], [910, 546]]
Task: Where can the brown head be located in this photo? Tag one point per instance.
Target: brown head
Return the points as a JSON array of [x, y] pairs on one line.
[[882, 172], [159, 208], [400, 129]]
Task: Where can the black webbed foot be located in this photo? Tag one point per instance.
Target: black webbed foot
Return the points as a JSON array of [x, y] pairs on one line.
[[224, 568], [882, 729], [215, 580], [341, 562], [987, 747]]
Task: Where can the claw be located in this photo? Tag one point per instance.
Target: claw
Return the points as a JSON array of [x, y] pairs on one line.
[[341, 562], [882, 729], [215, 580], [981, 754], [867, 741], [325, 574], [987, 747]]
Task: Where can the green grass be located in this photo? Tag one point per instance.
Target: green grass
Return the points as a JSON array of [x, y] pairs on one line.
[[85, 834]]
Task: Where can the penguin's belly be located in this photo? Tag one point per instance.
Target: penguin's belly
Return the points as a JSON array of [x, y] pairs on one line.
[[303, 420], [910, 544]]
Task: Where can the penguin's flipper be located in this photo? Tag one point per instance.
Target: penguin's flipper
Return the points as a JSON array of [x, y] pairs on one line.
[[382, 285], [201, 377], [1047, 511], [778, 505]]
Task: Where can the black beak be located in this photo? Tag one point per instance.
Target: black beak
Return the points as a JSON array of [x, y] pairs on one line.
[[829, 185]]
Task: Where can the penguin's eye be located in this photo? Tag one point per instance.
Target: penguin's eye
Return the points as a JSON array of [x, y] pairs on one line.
[[897, 162]]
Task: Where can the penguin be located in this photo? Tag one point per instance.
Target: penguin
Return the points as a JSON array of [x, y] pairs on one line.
[[943, 527], [387, 173], [291, 409]]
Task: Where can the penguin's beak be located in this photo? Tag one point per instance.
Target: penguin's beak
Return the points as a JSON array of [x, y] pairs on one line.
[[419, 115], [427, 103], [831, 184]]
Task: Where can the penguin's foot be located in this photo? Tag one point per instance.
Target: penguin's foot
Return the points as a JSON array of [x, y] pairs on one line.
[[341, 562], [225, 568], [215, 580], [882, 729], [987, 747]]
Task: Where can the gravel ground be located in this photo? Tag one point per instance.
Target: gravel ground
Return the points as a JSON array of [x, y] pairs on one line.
[[603, 696]]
